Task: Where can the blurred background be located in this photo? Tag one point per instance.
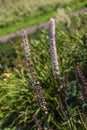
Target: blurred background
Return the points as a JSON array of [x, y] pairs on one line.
[[25, 13]]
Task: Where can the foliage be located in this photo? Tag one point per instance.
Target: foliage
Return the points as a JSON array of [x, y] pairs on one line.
[[19, 105], [7, 56]]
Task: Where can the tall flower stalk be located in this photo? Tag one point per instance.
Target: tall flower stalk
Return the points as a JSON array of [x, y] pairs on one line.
[[53, 51], [54, 59], [37, 90], [82, 80]]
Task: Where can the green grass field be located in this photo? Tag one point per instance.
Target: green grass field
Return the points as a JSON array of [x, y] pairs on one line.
[[15, 15]]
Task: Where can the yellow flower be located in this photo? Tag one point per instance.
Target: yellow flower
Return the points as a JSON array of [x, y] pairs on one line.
[[8, 74]]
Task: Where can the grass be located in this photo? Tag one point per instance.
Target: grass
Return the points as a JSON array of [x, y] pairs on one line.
[[27, 13], [21, 24], [18, 104]]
